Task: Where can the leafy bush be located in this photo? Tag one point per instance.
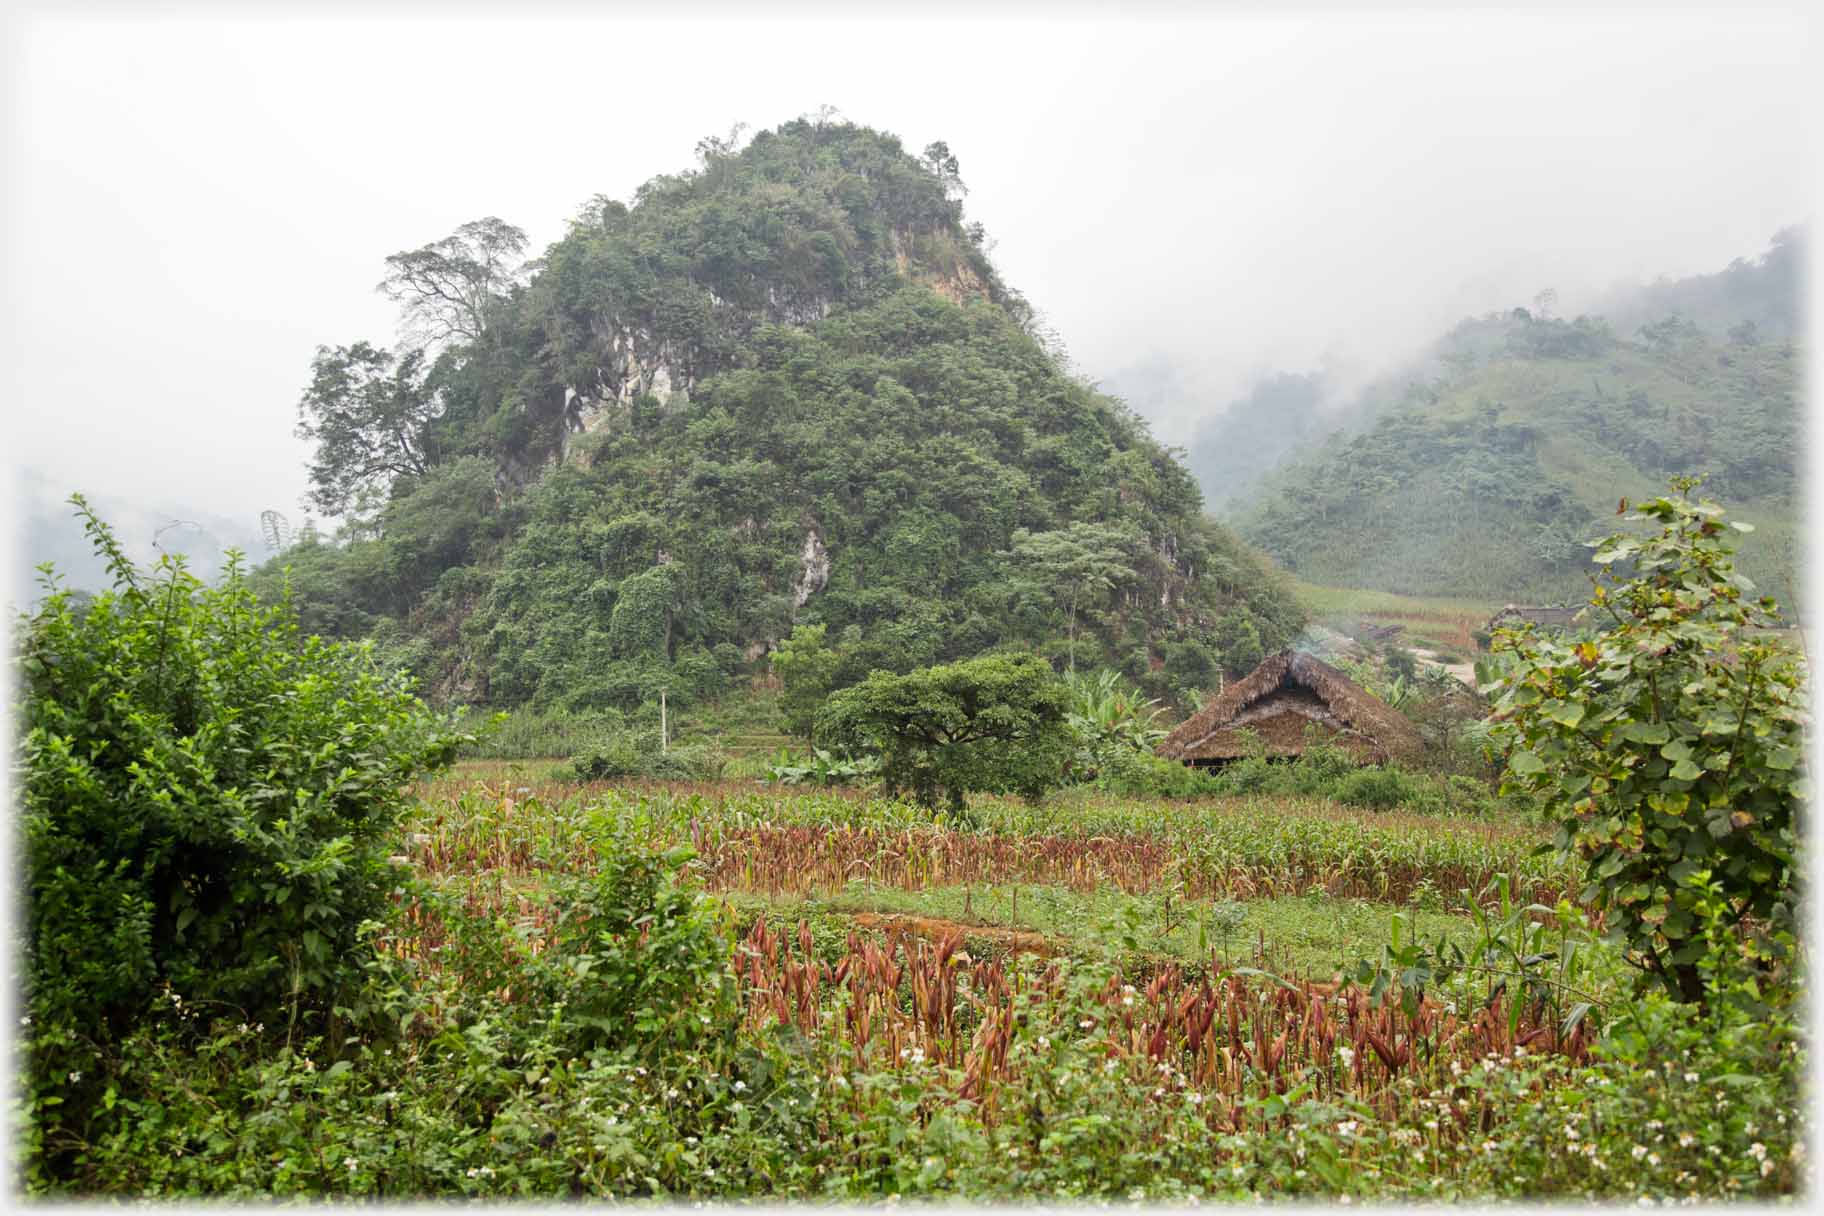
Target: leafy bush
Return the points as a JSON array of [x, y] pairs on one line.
[[207, 800], [1673, 742], [639, 752], [996, 724], [820, 768], [1379, 788], [638, 961], [1327, 771], [1111, 721], [1143, 775]]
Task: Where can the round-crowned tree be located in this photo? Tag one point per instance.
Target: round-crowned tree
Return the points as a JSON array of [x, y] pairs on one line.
[[997, 724]]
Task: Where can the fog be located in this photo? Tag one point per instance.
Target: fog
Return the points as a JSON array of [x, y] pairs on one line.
[[194, 203]]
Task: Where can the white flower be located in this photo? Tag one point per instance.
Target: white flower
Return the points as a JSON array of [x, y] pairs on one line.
[[1758, 1151], [1193, 1097], [1570, 1133], [1686, 1139], [1085, 1024], [1766, 1167], [1138, 1193], [740, 1086], [351, 1163], [1128, 999], [1652, 1158], [1431, 1125], [1639, 1151], [1238, 1170], [1347, 1055], [1692, 1078], [1347, 1127], [672, 1092], [75, 1077], [1748, 1130]]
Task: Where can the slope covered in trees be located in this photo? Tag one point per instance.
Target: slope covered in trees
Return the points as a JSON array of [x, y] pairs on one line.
[[1488, 479], [785, 388]]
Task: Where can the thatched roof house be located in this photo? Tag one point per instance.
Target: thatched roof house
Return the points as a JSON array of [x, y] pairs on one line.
[[1280, 701]]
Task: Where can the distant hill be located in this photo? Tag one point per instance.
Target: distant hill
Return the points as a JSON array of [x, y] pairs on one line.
[[1487, 481]]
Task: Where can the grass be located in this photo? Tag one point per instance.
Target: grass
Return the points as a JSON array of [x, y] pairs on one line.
[[1310, 935]]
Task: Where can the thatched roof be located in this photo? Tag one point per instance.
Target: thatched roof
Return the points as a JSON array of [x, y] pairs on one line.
[[1278, 700]]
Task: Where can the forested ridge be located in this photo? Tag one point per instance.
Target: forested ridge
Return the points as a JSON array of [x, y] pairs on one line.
[[1508, 446], [785, 388]]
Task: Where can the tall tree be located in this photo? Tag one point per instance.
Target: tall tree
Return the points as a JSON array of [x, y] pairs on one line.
[[369, 413], [446, 290], [1081, 563]]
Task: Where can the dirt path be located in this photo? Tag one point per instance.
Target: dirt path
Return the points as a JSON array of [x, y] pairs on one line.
[[1464, 672]]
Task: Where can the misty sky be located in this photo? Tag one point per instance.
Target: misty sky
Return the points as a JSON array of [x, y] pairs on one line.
[[192, 205]]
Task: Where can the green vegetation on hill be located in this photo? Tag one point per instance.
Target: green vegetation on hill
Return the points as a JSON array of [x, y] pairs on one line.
[[1490, 482], [785, 389]]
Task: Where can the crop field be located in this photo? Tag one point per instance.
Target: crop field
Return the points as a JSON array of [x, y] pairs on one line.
[[1093, 996], [732, 990]]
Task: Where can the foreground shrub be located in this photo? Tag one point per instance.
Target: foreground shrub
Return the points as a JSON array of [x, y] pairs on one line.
[[1672, 743], [207, 798]]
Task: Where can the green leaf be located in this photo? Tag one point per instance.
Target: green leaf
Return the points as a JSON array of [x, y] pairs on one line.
[[1684, 770], [1525, 763], [1646, 732], [1568, 713]]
